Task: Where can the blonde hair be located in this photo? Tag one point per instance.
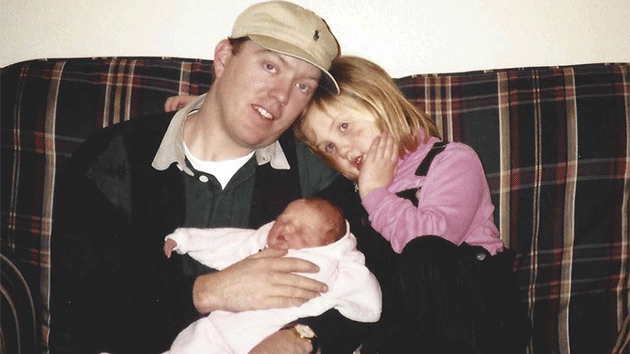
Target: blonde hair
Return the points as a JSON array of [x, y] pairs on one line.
[[367, 87]]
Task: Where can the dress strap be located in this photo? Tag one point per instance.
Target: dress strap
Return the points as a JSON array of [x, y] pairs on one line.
[[437, 148], [423, 169]]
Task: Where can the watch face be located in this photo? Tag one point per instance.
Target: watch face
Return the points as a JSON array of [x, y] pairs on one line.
[[304, 331]]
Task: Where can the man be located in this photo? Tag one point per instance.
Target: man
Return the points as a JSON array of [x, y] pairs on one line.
[[224, 161]]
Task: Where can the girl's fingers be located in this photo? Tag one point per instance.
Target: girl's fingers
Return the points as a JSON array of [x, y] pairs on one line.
[[386, 146], [372, 153], [383, 148], [392, 151]]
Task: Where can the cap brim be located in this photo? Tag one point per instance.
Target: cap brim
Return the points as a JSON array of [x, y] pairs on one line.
[[327, 81]]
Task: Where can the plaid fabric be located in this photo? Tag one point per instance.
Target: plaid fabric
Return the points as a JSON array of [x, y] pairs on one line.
[[554, 142], [48, 109]]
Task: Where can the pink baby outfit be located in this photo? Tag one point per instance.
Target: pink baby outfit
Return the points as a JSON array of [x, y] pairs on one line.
[[352, 289]]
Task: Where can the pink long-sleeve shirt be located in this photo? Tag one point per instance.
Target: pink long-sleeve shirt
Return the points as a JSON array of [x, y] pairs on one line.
[[453, 200]]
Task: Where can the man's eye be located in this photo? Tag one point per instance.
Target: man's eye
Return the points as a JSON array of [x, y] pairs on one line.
[[270, 67], [304, 88], [343, 127], [329, 148]]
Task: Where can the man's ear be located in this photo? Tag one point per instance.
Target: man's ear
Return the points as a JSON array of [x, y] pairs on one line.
[[222, 54]]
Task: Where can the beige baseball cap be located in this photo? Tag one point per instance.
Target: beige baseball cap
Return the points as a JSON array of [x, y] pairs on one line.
[[289, 29]]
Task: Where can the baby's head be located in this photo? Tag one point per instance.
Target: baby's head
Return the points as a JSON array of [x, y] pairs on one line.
[[308, 222]]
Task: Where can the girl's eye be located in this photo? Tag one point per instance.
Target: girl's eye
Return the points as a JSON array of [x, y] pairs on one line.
[[329, 148], [343, 127]]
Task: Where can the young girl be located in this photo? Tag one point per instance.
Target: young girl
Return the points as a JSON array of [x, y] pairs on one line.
[[430, 199]]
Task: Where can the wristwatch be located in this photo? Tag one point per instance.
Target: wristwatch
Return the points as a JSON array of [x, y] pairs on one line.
[[305, 332]]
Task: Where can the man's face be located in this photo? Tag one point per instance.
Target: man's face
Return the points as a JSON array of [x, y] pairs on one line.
[[260, 93]]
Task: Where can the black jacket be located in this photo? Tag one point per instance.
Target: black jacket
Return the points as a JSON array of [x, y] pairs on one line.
[[112, 288]]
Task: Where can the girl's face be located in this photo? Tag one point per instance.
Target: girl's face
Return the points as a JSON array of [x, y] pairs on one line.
[[344, 135]]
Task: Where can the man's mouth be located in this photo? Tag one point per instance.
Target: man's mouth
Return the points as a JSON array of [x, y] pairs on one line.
[[264, 113]]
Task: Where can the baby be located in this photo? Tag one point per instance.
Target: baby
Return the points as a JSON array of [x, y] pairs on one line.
[[311, 229]]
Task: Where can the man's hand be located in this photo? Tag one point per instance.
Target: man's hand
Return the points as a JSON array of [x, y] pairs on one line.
[[379, 165], [285, 342], [262, 281]]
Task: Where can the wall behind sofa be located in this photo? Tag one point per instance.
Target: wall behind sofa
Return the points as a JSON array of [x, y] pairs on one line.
[[405, 36]]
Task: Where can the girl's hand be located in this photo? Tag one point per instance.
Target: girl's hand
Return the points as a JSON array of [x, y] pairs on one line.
[[175, 103], [379, 165]]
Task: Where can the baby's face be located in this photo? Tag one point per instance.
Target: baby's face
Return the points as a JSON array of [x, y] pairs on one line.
[[299, 226]]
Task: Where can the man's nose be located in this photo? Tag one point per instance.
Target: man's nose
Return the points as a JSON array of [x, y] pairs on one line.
[[281, 90]]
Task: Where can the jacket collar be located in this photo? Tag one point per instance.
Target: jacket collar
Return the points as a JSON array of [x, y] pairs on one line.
[[171, 148]]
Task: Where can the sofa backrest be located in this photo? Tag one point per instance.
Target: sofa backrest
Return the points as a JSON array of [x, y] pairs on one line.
[[555, 144]]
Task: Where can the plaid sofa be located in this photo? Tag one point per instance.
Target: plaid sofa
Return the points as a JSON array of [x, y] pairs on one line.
[[554, 141]]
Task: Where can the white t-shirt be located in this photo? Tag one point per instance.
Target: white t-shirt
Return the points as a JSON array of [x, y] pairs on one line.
[[222, 170]]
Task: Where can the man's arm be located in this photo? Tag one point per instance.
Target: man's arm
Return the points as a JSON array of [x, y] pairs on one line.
[[335, 335], [283, 341], [261, 281], [112, 288], [84, 247]]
